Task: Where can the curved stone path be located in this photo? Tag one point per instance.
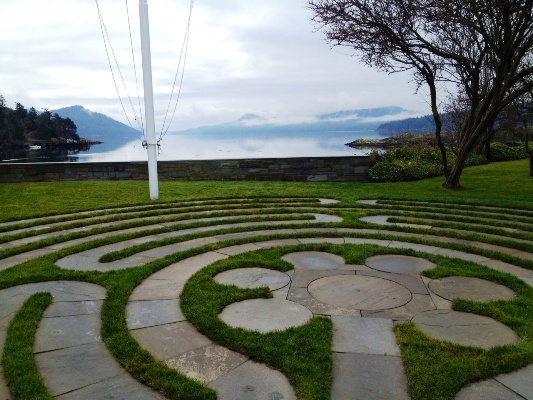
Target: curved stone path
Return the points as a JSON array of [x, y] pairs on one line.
[[363, 302], [68, 349]]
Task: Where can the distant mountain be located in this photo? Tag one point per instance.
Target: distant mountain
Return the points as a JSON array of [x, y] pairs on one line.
[[114, 134], [423, 124], [363, 113], [345, 121], [99, 127]]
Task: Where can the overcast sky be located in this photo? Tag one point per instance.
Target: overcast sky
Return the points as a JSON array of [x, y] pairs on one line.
[[245, 56]]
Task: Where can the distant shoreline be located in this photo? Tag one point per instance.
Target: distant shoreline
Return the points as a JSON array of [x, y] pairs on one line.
[[403, 139], [82, 145]]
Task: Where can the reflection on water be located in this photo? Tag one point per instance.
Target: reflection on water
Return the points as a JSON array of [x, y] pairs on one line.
[[55, 154], [207, 147]]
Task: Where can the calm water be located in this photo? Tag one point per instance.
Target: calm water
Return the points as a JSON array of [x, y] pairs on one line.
[[208, 147]]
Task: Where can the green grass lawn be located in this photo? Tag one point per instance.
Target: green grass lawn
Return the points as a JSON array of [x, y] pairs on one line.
[[500, 185], [505, 184]]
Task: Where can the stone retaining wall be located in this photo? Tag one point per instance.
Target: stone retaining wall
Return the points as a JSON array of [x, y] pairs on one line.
[[312, 169]]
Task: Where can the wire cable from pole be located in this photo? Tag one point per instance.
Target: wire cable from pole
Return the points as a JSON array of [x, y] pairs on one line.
[[183, 55], [135, 70], [104, 36]]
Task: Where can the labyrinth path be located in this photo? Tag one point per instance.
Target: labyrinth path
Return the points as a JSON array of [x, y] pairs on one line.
[[363, 301]]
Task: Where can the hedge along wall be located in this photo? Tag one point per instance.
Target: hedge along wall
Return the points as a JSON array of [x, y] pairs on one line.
[[311, 169]]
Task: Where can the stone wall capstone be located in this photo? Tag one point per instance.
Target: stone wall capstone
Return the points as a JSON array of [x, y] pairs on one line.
[[310, 169]]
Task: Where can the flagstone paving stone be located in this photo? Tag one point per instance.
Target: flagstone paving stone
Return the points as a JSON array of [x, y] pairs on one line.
[[302, 278], [485, 390], [60, 332], [414, 283], [399, 264], [251, 381], [206, 363], [419, 303], [282, 293], [525, 274], [317, 307], [378, 242], [519, 381], [279, 242], [265, 315], [465, 328], [368, 376], [440, 303], [253, 278], [369, 202], [328, 201], [470, 288], [142, 314], [170, 340], [322, 240], [462, 255], [314, 260], [4, 391], [157, 289], [71, 368], [234, 250], [359, 292], [120, 387], [364, 335]]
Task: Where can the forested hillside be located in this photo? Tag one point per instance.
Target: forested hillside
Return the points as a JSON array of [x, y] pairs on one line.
[[22, 127], [423, 124]]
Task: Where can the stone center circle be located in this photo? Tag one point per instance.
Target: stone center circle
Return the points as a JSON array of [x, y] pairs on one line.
[[359, 292]]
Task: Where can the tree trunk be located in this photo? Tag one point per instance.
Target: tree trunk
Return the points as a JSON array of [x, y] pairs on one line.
[[530, 162], [452, 181], [440, 143], [487, 150], [430, 79]]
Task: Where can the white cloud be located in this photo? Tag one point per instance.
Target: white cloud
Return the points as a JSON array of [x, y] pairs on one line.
[[244, 57]]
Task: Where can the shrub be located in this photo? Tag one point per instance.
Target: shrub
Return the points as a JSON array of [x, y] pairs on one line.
[[400, 170], [475, 159], [420, 162], [502, 152], [387, 171]]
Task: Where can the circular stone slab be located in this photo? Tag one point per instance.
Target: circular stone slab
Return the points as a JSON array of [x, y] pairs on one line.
[[316, 260], [253, 278], [399, 264], [265, 315], [470, 288], [359, 292], [464, 328]]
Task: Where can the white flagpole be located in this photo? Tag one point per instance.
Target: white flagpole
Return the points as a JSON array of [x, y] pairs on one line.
[[148, 100]]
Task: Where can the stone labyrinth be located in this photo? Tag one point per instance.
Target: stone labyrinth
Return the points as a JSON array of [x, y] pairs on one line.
[[363, 300]]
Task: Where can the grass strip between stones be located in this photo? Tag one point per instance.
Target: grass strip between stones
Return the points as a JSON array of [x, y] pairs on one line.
[[436, 369], [473, 220], [182, 215], [452, 206], [9, 252], [18, 362], [465, 227], [504, 215], [43, 218]]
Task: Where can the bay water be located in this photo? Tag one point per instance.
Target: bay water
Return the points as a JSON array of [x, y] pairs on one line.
[[210, 146]]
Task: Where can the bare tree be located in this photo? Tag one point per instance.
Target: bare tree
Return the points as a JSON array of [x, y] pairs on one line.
[[520, 113], [484, 47]]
